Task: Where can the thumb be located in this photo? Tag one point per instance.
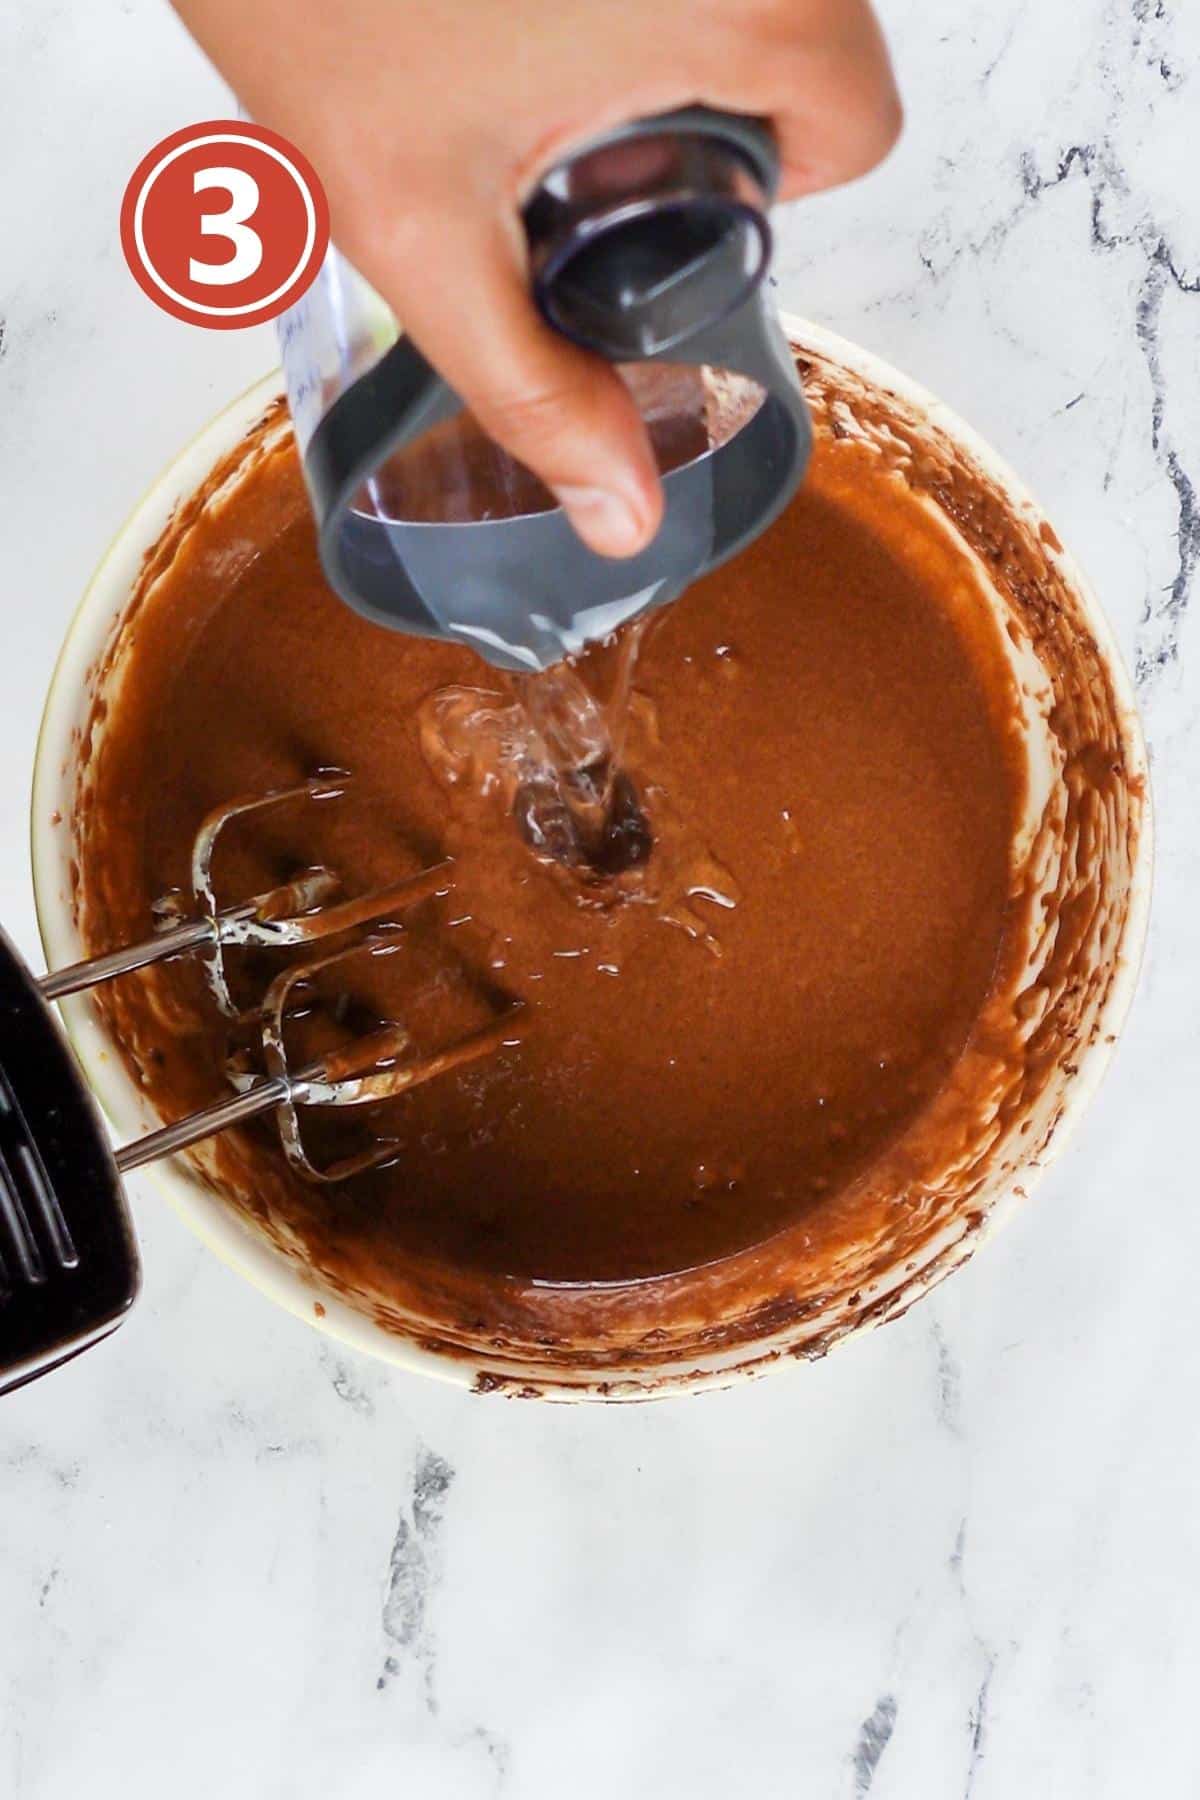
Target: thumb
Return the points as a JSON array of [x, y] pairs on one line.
[[460, 290]]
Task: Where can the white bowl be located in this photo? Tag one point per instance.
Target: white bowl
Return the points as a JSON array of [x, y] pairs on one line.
[[232, 1236]]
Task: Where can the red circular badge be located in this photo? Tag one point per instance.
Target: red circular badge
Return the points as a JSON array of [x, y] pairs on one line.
[[224, 224]]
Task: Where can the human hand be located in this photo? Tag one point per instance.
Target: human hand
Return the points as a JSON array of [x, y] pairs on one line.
[[430, 122]]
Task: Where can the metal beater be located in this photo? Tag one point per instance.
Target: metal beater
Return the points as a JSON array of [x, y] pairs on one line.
[[69, 1266]]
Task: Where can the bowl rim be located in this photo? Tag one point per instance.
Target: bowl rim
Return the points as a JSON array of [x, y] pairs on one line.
[[219, 1226]]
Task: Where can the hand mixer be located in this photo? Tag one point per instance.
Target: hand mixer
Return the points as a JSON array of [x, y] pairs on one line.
[[648, 246], [69, 1267]]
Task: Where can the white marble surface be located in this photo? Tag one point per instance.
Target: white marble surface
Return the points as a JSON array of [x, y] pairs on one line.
[[959, 1558]]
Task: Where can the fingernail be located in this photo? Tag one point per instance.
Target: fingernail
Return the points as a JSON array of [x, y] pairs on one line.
[[605, 521]]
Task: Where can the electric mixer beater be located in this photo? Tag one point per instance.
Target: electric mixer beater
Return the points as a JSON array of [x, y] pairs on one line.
[[648, 246], [69, 1266]]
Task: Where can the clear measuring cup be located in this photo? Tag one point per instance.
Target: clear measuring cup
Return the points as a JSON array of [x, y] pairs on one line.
[[648, 246]]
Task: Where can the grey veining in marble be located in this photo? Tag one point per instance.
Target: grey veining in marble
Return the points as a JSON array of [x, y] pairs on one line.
[[957, 1560]]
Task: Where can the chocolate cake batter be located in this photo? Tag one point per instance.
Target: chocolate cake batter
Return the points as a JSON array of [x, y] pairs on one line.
[[821, 737]]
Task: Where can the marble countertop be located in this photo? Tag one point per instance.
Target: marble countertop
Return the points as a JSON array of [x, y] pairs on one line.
[[955, 1559]]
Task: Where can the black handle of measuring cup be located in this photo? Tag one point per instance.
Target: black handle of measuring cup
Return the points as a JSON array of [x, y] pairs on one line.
[[69, 1266], [733, 165], [654, 232]]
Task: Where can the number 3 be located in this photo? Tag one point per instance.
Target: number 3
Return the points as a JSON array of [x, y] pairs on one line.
[[247, 245]]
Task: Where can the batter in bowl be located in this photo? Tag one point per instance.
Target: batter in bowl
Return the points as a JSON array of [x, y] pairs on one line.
[[718, 1058]]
